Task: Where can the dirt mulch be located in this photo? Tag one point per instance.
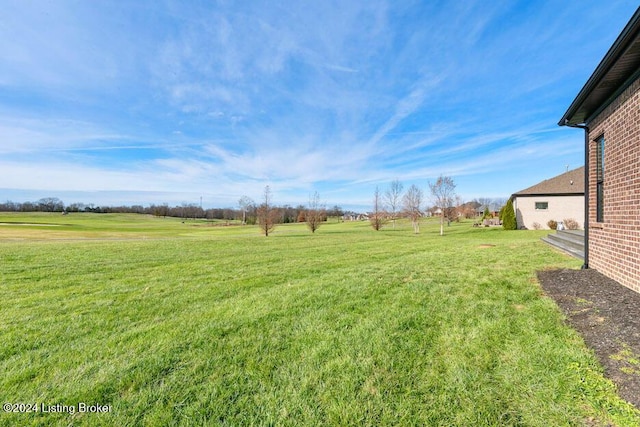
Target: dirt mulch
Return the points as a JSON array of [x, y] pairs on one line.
[[607, 315]]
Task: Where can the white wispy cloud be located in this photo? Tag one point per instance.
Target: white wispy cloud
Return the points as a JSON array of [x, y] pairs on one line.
[[221, 98], [405, 107], [31, 135]]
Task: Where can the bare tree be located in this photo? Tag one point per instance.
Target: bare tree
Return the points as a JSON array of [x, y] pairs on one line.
[[245, 203], [468, 209], [485, 202], [50, 204], [457, 210], [378, 216], [443, 193], [337, 212], [316, 213], [393, 197], [266, 213], [411, 206], [499, 201]]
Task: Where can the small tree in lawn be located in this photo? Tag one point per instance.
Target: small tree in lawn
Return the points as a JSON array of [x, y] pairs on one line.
[[411, 202], [443, 193], [509, 216], [315, 214], [337, 212], [393, 197], [245, 203], [486, 214], [266, 213], [378, 216]]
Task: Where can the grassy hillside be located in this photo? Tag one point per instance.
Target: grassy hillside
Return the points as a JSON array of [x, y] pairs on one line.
[[171, 323], [42, 226]]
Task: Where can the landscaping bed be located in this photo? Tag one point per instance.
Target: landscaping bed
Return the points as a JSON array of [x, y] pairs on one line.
[[607, 315]]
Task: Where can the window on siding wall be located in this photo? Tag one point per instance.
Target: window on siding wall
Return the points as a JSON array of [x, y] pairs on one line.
[[542, 206], [600, 179]]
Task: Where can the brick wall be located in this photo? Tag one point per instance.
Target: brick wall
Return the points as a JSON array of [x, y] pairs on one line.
[[614, 244]]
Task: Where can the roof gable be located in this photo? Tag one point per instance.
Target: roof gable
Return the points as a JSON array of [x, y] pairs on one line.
[[571, 182], [618, 69]]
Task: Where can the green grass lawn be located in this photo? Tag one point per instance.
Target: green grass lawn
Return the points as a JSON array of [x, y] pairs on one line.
[[172, 323]]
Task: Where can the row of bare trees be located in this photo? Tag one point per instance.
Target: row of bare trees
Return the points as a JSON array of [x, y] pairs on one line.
[[267, 214], [393, 204]]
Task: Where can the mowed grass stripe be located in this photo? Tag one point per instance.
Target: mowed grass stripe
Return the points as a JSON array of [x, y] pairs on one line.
[[343, 327]]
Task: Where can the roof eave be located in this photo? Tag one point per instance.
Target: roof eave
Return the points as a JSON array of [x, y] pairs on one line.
[[618, 48], [547, 194]]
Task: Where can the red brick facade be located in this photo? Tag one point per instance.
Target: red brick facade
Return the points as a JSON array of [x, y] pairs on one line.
[[614, 243]]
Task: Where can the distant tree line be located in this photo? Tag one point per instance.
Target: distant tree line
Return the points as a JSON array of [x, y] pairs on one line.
[[247, 212]]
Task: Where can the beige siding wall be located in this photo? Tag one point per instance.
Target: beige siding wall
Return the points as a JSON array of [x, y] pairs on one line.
[[614, 244], [560, 208]]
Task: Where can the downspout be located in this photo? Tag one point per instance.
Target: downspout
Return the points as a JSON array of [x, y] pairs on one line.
[[586, 191]]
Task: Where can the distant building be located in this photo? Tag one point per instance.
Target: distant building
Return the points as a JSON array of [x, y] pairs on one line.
[[494, 209], [558, 198], [468, 209], [608, 109]]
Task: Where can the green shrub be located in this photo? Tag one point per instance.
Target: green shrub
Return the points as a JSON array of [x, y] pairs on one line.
[[509, 217], [486, 214]]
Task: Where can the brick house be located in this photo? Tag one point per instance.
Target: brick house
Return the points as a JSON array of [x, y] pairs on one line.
[[558, 198], [608, 109]]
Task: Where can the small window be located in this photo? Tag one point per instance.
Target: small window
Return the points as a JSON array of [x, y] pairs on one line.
[[600, 179], [542, 206]]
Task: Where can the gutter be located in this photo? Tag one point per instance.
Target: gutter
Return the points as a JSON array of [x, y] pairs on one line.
[[586, 188]]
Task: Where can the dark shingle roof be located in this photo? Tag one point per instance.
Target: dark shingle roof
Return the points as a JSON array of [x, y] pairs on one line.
[[571, 182]]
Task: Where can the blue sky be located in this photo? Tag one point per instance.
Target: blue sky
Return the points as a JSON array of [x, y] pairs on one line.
[[145, 102]]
